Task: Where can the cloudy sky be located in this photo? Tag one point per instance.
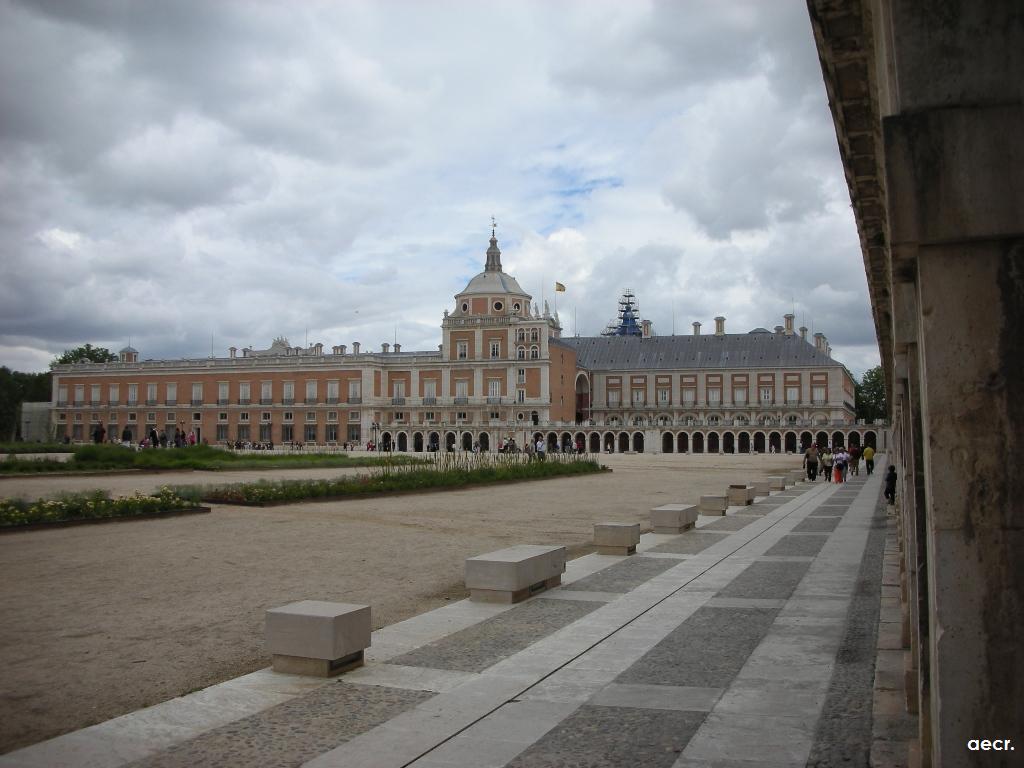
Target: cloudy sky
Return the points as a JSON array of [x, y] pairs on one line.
[[197, 175]]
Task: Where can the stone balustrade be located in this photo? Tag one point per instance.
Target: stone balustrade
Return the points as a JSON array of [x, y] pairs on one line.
[[616, 538], [317, 638], [514, 574], [674, 518], [713, 505], [740, 494]]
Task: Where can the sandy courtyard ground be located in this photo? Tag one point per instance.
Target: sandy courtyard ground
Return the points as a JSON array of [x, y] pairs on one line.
[[101, 620]]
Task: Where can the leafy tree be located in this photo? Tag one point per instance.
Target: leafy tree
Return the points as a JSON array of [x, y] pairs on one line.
[[15, 388], [87, 353], [870, 396]]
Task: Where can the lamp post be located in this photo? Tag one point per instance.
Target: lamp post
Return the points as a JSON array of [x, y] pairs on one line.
[[374, 428]]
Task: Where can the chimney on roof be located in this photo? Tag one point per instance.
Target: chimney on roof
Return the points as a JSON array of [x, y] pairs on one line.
[[440, 348], [819, 341], [789, 318], [803, 333], [232, 351], [645, 327], [719, 326], [779, 329], [384, 347], [355, 347], [318, 348], [696, 328], [398, 347]]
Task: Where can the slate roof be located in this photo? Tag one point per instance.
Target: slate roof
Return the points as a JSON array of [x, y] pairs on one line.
[[731, 350]]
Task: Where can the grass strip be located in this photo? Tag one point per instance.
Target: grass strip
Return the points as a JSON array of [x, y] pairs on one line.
[[384, 481], [92, 458], [89, 505]]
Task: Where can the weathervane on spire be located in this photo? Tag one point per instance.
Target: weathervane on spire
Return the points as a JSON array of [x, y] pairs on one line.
[[494, 226]]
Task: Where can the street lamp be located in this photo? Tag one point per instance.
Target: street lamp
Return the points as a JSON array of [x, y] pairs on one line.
[[374, 428]]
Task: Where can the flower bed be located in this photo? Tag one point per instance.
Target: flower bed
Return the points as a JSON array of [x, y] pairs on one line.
[[91, 506], [400, 479]]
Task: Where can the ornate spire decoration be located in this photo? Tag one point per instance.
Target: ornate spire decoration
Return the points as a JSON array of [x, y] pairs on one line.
[[493, 253]]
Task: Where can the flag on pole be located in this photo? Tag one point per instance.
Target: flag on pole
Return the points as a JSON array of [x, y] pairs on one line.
[[559, 288]]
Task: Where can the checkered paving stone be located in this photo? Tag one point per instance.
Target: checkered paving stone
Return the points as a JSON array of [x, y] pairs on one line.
[[291, 733], [613, 737], [817, 525], [798, 546], [730, 523], [766, 580], [689, 543], [624, 576], [482, 645], [829, 512], [706, 650]]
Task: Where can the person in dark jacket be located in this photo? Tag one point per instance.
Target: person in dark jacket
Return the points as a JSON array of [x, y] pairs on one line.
[[890, 485]]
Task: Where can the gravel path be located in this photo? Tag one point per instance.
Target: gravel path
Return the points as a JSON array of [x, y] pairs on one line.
[[102, 620]]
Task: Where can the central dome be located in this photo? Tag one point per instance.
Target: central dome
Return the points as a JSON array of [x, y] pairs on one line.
[[493, 280]]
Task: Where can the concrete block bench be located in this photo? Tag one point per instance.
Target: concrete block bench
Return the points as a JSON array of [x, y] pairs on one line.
[[761, 488], [740, 494], [313, 637], [778, 483], [713, 505], [673, 518], [795, 476], [513, 574], [616, 538]]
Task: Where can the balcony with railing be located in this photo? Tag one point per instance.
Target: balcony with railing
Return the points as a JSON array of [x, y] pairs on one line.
[[398, 401], [354, 400], [287, 401], [332, 401], [222, 401], [430, 401], [150, 401], [197, 401], [461, 401], [492, 400], [266, 401], [171, 401]]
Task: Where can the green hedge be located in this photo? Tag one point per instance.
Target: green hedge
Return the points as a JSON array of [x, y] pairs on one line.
[[107, 457], [387, 481], [88, 505]]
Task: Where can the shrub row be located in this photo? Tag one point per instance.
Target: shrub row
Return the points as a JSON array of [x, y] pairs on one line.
[[90, 458], [386, 480], [88, 505]]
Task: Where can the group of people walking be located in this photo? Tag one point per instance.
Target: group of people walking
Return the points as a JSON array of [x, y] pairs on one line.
[[836, 464]]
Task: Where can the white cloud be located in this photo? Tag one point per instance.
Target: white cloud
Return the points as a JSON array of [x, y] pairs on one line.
[[173, 172]]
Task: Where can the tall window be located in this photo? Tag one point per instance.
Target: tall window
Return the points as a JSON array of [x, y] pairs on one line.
[[614, 396], [739, 396], [792, 394], [133, 394], [663, 397], [151, 393], [266, 392], [355, 390], [521, 335], [462, 388], [289, 392], [689, 396], [766, 394], [494, 387], [332, 391], [311, 391], [222, 392], [639, 397], [399, 388], [430, 388], [520, 353], [244, 392], [113, 394], [94, 393], [197, 393], [818, 393], [520, 395], [714, 396], [172, 393], [79, 394], [534, 334], [462, 350], [495, 348], [534, 353], [521, 376]]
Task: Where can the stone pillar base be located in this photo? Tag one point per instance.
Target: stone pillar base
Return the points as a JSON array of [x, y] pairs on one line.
[[300, 665], [516, 596]]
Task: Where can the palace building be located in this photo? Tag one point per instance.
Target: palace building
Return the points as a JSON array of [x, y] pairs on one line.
[[503, 370]]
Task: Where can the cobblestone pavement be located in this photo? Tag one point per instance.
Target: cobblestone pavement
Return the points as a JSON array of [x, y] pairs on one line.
[[749, 641]]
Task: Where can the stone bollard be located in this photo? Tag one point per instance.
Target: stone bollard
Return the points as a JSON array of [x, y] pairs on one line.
[[673, 518], [713, 505], [317, 638], [740, 495], [777, 483], [514, 574], [616, 538], [761, 488]]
